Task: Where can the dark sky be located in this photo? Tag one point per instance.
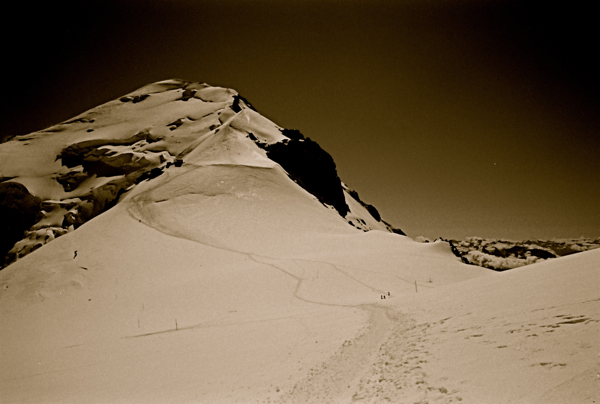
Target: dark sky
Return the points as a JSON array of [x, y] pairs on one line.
[[454, 118]]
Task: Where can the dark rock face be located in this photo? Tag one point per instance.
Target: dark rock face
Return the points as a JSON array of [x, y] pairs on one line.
[[135, 99], [519, 251], [18, 212], [235, 106], [372, 210], [71, 180], [565, 247], [294, 134], [20, 233], [148, 175], [96, 160], [396, 230], [312, 168], [187, 94], [28, 222], [238, 102]]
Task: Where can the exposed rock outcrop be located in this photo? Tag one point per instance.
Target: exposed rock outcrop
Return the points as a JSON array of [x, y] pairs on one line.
[[105, 152], [501, 255], [19, 210], [312, 168]]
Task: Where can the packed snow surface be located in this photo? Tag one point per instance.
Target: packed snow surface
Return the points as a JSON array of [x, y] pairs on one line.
[[221, 280]]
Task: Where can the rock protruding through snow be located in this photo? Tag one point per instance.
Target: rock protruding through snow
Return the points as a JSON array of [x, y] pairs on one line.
[[87, 164]]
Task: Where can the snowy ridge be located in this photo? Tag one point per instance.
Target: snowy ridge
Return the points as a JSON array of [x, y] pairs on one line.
[[506, 254], [83, 166]]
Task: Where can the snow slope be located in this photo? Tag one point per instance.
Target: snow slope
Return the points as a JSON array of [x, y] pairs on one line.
[[218, 292], [222, 280], [83, 166], [529, 335]]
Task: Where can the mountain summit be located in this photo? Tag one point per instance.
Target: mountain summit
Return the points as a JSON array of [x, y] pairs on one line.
[[54, 180]]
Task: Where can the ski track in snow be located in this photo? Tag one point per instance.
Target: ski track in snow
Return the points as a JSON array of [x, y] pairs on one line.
[[533, 351], [365, 368], [396, 359], [336, 379], [138, 212], [384, 364]]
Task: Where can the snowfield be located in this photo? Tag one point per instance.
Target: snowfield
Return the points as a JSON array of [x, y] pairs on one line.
[[219, 279]]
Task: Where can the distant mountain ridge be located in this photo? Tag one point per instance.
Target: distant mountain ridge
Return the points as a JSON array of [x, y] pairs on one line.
[[501, 254], [54, 180]]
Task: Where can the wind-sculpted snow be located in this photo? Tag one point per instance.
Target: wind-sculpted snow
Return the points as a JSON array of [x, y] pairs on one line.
[[72, 172]]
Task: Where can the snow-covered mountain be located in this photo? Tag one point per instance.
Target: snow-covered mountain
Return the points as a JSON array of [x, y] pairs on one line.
[[502, 254], [201, 253], [55, 180]]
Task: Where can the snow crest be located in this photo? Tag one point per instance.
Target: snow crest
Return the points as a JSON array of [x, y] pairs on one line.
[[89, 163]]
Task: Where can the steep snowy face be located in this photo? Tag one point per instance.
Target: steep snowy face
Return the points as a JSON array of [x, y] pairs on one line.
[[54, 180]]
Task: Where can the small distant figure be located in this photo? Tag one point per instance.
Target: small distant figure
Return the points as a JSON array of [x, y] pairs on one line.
[[388, 293], [75, 255]]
